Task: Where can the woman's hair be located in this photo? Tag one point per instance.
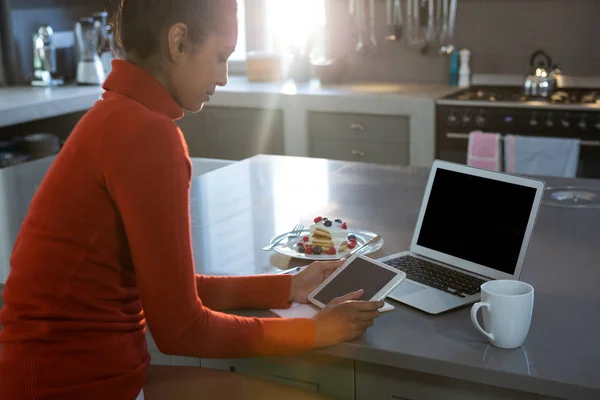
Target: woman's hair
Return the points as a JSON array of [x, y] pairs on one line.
[[140, 24]]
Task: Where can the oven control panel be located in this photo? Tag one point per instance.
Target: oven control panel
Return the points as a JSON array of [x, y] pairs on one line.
[[568, 123]]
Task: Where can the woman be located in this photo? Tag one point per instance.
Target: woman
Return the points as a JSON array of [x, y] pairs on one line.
[[106, 244]]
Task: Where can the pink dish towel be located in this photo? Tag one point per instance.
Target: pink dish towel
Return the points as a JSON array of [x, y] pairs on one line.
[[485, 151]]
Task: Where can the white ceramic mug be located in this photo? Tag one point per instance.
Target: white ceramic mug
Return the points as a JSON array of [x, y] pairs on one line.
[[507, 309]]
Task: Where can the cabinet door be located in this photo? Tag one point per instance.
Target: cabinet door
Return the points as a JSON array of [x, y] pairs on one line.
[[329, 376], [233, 133], [375, 382]]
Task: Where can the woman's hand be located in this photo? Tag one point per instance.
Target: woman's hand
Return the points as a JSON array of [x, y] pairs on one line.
[[306, 281], [344, 319]]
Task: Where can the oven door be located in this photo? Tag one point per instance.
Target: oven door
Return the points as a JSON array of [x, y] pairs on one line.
[[452, 142]]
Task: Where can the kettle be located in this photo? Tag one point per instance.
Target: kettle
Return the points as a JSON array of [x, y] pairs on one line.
[[542, 81]]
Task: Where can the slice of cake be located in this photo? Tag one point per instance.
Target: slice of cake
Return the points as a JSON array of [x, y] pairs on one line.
[[327, 237]]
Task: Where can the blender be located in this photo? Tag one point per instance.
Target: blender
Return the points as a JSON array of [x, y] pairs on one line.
[[89, 67]]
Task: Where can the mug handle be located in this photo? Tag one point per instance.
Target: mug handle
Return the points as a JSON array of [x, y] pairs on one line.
[[474, 310]]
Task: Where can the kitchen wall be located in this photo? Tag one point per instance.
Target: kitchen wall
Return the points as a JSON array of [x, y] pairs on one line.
[[502, 34]]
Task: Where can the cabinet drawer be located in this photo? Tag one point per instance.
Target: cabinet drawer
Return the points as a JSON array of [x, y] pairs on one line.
[[329, 376], [375, 128], [363, 151]]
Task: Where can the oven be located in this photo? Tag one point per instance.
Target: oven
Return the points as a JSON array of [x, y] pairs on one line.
[[457, 116]]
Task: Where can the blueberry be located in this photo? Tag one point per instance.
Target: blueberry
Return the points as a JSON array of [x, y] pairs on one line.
[[327, 223], [351, 237], [339, 221], [301, 249], [325, 219], [317, 250]]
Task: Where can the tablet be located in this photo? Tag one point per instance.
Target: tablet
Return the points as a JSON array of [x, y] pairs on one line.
[[359, 272]]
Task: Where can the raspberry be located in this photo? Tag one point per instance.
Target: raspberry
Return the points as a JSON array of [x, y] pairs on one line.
[[308, 250], [344, 226], [332, 251], [305, 238], [351, 245], [318, 219]]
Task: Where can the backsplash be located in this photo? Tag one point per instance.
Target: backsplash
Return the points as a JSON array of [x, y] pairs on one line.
[[501, 34]]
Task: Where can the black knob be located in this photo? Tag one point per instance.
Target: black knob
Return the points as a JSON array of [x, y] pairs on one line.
[[480, 121], [566, 124], [597, 125], [549, 123], [533, 122], [466, 119], [452, 120]]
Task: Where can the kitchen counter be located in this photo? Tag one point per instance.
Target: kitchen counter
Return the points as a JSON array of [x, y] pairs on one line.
[[25, 103], [417, 101], [251, 201]]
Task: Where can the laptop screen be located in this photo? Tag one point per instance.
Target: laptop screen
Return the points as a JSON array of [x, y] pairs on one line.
[[477, 219]]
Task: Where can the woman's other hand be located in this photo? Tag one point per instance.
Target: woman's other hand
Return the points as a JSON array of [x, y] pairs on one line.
[[312, 276]]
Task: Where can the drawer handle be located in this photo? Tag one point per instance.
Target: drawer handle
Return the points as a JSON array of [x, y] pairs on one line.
[[358, 153], [357, 127]]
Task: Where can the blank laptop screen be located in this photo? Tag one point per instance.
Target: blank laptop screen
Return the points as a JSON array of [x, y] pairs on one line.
[[477, 219]]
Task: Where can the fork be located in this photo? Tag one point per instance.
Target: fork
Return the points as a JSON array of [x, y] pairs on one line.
[[292, 234]]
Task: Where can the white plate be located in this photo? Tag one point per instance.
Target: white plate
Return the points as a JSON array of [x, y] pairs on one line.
[[288, 247]]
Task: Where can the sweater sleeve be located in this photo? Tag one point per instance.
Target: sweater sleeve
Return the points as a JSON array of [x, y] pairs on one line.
[[244, 292], [148, 177]]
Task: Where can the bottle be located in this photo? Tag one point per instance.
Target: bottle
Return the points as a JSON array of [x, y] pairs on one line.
[[464, 73], [453, 78]]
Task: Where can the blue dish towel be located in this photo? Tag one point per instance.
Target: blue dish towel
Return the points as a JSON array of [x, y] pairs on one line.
[[541, 156]]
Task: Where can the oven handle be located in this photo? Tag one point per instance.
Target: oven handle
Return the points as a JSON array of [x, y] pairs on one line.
[[465, 136]]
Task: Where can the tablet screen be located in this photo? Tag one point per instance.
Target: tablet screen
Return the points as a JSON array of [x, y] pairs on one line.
[[360, 274]]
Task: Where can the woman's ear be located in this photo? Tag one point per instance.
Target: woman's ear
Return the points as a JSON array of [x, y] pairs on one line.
[[177, 37]]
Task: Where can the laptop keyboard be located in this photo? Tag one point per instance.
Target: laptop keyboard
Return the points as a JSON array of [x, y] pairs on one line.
[[436, 276]]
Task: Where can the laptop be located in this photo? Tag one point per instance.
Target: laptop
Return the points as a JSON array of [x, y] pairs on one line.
[[474, 226]]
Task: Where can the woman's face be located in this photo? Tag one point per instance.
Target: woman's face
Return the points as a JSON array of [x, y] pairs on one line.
[[200, 69]]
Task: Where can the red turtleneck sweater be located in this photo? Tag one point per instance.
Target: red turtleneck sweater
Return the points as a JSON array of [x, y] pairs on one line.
[[106, 248]]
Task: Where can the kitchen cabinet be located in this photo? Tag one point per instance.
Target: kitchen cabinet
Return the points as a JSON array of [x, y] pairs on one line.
[[375, 382], [378, 139], [233, 133], [329, 376]]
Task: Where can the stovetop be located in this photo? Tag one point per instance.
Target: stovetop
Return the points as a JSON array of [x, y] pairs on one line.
[[515, 96]]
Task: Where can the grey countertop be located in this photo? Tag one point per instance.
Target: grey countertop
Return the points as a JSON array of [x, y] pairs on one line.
[[24, 103], [251, 201]]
